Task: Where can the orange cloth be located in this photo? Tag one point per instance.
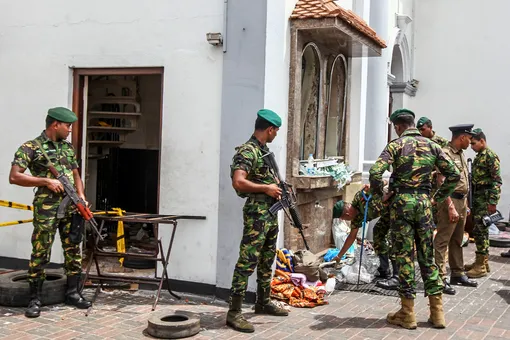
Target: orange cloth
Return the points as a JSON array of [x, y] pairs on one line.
[[283, 289]]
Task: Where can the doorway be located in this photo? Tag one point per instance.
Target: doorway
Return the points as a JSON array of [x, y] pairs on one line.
[[118, 142]]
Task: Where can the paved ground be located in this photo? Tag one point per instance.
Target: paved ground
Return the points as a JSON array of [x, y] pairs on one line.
[[481, 313]]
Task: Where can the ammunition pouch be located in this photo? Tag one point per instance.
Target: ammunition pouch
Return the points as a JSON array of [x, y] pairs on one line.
[[77, 228]]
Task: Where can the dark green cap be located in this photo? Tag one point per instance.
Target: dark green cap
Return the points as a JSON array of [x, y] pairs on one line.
[[400, 112], [477, 131], [338, 209], [62, 115], [422, 121], [270, 116]]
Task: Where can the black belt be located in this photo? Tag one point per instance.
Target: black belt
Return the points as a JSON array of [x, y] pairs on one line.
[[412, 191], [458, 195]]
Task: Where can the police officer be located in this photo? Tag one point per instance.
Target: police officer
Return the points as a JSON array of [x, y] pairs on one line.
[[47, 199], [383, 242], [487, 183], [452, 213], [253, 180], [413, 158]]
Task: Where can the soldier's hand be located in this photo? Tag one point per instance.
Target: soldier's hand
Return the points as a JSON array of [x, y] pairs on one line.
[[453, 214], [274, 191], [491, 208], [55, 185]]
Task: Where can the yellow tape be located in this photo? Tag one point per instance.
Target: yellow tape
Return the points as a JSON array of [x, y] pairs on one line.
[[121, 242], [5, 224], [14, 205]]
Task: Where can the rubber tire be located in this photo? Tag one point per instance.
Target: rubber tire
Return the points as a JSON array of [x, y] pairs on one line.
[[137, 263], [15, 292], [497, 241], [186, 325]]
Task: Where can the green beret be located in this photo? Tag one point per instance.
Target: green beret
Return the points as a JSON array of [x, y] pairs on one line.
[[400, 112], [62, 114], [477, 131], [338, 209], [422, 121], [270, 116]]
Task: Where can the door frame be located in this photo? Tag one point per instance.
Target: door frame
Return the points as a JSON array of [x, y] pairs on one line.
[[77, 137]]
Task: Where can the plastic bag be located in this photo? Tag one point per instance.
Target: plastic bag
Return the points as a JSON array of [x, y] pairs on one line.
[[493, 230], [330, 284], [340, 232]]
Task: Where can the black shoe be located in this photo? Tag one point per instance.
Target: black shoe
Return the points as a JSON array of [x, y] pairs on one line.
[[507, 254], [391, 284], [448, 289], [463, 281], [384, 268], [73, 297], [34, 306]]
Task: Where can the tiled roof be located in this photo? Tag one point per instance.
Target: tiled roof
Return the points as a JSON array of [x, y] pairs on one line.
[[317, 9]]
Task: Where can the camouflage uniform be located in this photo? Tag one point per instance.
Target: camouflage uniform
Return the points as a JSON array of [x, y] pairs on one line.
[[443, 142], [258, 245], [487, 183], [413, 158], [382, 236], [46, 203]]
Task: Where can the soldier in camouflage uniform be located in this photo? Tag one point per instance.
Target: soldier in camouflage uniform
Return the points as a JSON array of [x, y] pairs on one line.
[[424, 125], [48, 197], [413, 158], [487, 183], [253, 179], [383, 241]]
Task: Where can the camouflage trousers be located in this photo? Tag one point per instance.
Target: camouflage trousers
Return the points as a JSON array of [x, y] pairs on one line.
[[383, 236], [480, 231], [411, 223], [258, 247], [45, 227]]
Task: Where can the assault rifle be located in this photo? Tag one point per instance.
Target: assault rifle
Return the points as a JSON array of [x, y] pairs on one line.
[[288, 200], [71, 196]]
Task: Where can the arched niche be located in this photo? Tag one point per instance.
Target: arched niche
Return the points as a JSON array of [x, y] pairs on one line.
[[336, 115], [310, 100]]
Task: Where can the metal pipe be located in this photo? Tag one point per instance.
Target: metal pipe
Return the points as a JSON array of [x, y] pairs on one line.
[[225, 21]]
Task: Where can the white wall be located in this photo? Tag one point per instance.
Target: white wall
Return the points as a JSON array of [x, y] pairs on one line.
[[38, 47], [461, 61]]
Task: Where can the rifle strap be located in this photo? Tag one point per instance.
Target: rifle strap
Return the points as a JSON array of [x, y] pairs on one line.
[[44, 153]]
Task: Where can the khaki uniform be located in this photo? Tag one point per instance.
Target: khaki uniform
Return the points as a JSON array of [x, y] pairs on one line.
[[449, 235]]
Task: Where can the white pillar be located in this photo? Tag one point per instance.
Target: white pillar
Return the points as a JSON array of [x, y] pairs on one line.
[[378, 92], [358, 98]]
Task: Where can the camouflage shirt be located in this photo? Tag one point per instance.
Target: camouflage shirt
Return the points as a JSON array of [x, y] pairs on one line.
[[61, 154], [487, 175], [443, 142], [249, 158], [413, 158], [374, 209]]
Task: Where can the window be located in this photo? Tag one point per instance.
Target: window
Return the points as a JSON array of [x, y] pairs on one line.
[[336, 113]]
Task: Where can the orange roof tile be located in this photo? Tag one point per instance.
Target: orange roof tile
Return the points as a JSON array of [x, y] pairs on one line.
[[317, 9]]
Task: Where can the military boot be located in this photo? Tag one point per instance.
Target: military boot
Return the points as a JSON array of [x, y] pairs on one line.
[[384, 268], [478, 269], [73, 295], [405, 317], [235, 318], [436, 311], [34, 306], [470, 266], [264, 304]]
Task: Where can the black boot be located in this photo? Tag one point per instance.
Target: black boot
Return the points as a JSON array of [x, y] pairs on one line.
[[447, 289], [393, 282], [34, 306], [73, 297], [384, 268], [463, 280]]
